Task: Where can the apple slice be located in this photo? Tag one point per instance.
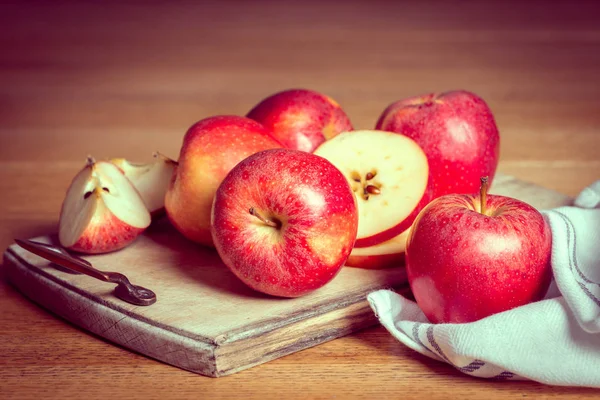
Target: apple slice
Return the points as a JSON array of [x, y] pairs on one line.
[[383, 255], [389, 175], [151, 180], [102, 210]]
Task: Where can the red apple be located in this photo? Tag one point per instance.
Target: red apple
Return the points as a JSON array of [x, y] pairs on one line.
[[388, 172], [301, 119], [471, 256], [284, 221], [457, 132], [211, 148]]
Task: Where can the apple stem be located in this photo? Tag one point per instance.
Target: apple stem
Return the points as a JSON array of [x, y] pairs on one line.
[[483, 194], [90, 161], [165, 158], [266, 221]]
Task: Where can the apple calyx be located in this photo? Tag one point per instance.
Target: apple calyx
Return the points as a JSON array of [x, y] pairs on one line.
[[483, 195], [266, 221]]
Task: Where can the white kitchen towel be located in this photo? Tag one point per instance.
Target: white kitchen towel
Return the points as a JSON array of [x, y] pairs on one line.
[[554, 341]]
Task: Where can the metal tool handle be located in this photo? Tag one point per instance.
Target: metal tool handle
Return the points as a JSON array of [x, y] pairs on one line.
[[126, 291]]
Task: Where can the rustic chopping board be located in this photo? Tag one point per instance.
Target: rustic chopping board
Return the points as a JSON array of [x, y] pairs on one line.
[[205, 319]]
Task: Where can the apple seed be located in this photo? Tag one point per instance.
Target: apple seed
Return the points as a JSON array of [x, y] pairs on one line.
[[370, 189]]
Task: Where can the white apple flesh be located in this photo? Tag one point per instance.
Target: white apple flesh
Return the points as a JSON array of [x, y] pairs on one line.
[[102, 210], [150, 179], [389, 175]]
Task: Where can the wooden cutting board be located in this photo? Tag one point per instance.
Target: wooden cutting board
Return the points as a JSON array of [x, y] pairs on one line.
[[205, 319]]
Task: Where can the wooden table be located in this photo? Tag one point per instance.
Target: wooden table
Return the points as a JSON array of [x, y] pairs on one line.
[[105, 79]]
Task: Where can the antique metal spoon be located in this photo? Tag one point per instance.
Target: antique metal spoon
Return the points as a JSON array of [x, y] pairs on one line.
[[125, 291]]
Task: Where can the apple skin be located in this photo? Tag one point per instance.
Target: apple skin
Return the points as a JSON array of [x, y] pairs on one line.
[[388, 254], [316, 219], [457, 132], [376, 261], [301, 119], [463, 265], [211, 148], [106, 233]]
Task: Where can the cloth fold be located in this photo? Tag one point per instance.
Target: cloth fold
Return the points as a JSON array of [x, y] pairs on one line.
[[554, 341]]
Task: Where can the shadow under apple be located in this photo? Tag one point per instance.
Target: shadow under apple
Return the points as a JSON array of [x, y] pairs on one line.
[[199, 263]]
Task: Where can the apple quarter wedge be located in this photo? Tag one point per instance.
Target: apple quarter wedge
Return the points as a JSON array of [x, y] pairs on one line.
[[388, 173], [150, 179], [102, 211]]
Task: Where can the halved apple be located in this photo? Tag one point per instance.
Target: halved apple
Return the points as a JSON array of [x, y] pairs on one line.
[[383, 255], [151, 180], [389, 175], [102, 210]]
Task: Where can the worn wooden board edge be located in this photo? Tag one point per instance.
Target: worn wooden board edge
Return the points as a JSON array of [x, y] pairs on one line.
[[214, 359]]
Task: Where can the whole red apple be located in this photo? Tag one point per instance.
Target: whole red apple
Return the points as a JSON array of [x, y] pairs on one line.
[[211, 148], [457, 132], [284, 221], [301, 119], [471, 256]]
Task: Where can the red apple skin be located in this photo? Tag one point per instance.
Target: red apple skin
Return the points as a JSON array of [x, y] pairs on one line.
[[377, 261], [211, 148], [301, 119], [316, 209], [463, 265], [104, 235], [457, 132]]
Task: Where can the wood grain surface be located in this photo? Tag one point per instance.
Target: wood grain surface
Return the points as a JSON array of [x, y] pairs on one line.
[[128, 78]]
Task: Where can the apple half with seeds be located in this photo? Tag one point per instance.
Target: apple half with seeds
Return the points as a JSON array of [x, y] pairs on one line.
[[102, 211], [389, 175], [150, 179]]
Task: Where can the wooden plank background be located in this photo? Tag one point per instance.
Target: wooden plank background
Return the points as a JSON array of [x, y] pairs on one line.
[[127, 78]]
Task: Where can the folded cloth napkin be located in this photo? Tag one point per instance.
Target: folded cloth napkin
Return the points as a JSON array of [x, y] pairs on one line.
[[554, 341]]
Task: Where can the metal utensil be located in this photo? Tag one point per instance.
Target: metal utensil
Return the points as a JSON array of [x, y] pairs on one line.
[[125, 291]]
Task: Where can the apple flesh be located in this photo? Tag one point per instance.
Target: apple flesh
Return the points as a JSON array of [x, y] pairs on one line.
[[210, 149], [471, 256], [388, 254], [102, 211], [301, 119], [388, 173], [458, 133], [284, 221], [150, 179]]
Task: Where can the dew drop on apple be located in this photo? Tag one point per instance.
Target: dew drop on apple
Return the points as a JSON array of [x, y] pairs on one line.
[[257, 278], [476, 225], [455, 217]]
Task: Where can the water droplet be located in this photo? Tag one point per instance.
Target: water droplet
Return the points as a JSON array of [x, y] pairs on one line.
[[257, 278], [476, 225]]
